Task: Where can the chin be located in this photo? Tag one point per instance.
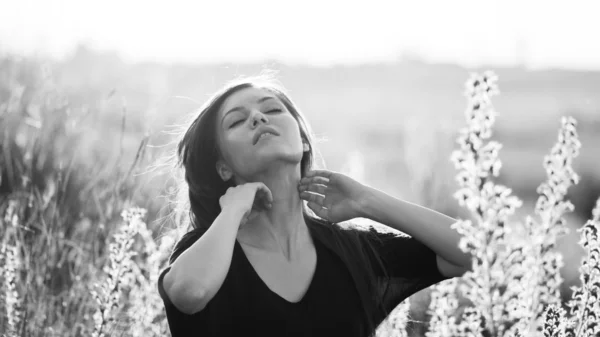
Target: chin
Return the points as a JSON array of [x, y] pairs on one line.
[[261, 156]]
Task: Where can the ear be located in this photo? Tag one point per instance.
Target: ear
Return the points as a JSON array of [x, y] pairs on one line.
[[223, 170], [305, 147]]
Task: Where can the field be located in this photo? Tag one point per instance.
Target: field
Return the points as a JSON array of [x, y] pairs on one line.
[[86, 138]]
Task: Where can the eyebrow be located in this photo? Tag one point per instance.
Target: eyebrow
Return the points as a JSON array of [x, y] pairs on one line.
[[239, 108]]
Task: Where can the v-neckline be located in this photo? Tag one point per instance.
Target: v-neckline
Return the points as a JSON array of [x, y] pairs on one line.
[[310, 285]]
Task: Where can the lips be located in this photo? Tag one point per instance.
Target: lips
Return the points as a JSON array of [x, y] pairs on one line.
[[266, 129]]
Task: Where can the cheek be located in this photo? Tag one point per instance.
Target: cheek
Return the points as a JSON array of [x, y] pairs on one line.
[[292, 131], [238, 147], [233, 147]]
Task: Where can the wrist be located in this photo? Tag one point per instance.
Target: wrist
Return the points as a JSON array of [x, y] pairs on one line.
[[236, 213], [364, 210]]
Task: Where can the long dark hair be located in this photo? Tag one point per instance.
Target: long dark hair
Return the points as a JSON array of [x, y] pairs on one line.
[[197, 154]]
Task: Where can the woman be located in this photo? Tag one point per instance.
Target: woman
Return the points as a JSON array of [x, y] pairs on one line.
[[257, 263]]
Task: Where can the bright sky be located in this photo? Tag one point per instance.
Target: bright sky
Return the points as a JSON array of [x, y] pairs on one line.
[[537, 33]]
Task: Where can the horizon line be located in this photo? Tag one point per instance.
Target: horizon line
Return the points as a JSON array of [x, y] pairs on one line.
[[401, 58]]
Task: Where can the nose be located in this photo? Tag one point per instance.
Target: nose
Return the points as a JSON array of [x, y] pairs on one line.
[[259, 116]]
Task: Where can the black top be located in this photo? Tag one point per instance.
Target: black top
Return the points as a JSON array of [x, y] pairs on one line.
[[246, 306]]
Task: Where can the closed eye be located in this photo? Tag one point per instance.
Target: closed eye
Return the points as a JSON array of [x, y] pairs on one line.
[[270, 111]]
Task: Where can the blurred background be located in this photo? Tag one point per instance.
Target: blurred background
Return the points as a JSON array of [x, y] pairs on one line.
[[90, 92]]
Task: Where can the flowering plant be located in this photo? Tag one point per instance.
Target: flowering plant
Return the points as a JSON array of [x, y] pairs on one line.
[[584, 306], [108, 293], [514, 283]]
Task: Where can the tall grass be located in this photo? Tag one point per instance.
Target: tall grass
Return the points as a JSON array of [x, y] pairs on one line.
[[77, 257], [62, 190]]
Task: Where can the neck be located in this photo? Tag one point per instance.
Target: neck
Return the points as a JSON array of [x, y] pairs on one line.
[[282, 228]]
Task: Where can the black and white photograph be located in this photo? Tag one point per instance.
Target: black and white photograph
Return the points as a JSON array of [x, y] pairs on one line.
[[383, 168]]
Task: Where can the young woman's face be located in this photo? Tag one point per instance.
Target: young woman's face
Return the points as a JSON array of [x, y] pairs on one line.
[[242, 117]]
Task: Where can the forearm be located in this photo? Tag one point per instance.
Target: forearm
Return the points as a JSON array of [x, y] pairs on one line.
[[428, 226], [199, 272]]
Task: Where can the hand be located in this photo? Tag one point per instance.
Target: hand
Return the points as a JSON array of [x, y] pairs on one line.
[[249, 199], [333, 196]]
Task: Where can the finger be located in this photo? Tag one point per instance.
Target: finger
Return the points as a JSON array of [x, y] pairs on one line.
[[320, 211], [267, 193], [322, 173], [314, 180], [315, 188], [316, 198]]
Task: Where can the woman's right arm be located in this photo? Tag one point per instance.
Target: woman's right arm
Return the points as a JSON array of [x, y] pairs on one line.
[[198, 273]]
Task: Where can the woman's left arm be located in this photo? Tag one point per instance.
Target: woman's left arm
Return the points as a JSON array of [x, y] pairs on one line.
[[337, 197], [427, 226]]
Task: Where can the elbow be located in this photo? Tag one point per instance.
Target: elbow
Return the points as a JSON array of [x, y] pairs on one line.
[[187, 299], [448, 269], [190, 302], [460, 271]]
